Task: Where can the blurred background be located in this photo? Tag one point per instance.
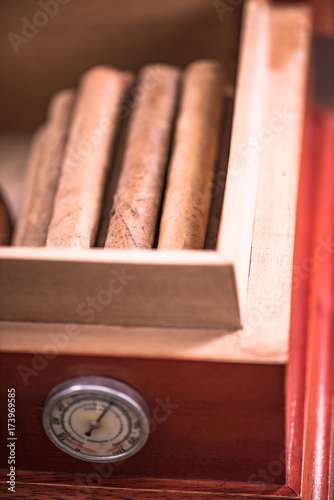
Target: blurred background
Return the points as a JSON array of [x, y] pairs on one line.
[[47, 44]]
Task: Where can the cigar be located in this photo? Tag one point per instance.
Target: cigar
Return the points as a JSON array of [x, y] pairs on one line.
[[112, 180], [137, 201], [29, 182], [43, 172], [218, 188], [85, 162], [5, 223], [189, 183]]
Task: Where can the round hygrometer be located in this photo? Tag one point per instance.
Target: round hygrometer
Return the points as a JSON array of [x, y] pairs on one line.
[[97, 419]]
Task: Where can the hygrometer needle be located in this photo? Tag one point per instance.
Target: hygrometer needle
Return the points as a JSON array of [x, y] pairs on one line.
[[95, 423]]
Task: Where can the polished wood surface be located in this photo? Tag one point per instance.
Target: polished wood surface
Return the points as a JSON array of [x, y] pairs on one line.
[[299, 307], [166, 491], [323, 17], [310, 411], [320, 349], [226, 421]]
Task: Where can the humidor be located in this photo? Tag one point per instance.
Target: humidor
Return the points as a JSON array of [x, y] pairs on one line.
[[189, 289], [208, 329]]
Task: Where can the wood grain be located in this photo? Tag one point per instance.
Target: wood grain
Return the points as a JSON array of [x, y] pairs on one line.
[[43, 492], [150, 342], [279, 147], [213, 431], [296, 383], [137, 288], [157, 487], [264, 158], [320, 350], [241, 183]]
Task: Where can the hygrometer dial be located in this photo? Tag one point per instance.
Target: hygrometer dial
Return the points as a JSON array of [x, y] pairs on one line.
[[97, 419]]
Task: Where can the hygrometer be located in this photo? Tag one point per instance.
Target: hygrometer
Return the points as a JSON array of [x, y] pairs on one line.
[[97, 419]]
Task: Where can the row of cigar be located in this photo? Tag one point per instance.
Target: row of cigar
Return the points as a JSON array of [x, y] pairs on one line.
[[124, 162]]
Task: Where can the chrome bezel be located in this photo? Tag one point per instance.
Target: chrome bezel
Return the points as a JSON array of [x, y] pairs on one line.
[[105, 386]]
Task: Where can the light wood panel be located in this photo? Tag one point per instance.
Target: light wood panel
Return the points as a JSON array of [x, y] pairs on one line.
[[185, 288], [279, 146], [235, 235], [163, 343], [262, 176]]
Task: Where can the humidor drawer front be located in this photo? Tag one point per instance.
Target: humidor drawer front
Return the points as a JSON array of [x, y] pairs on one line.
[[223, 422]]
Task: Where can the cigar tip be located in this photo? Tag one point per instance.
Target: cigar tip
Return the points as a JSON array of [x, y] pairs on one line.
[[163, 66], [159, 71], [37, 140], [205, 64], [100, 72], [63, 94], [60, 99], [128, 77], [158, 76]]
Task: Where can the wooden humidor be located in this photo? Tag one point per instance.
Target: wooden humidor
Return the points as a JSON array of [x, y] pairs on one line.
[[206, 330]]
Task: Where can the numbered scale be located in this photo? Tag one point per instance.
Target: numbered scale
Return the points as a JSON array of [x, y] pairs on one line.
[[97, 419]]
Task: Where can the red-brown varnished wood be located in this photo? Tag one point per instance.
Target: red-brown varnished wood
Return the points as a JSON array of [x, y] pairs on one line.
[[61, 492], [331, 463], [298, 335], [323, 15], [320, 351], [227, 488], [78, 483], [228, 423]]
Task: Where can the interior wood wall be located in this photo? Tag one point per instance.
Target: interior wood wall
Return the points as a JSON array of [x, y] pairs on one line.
[[121, 33]]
